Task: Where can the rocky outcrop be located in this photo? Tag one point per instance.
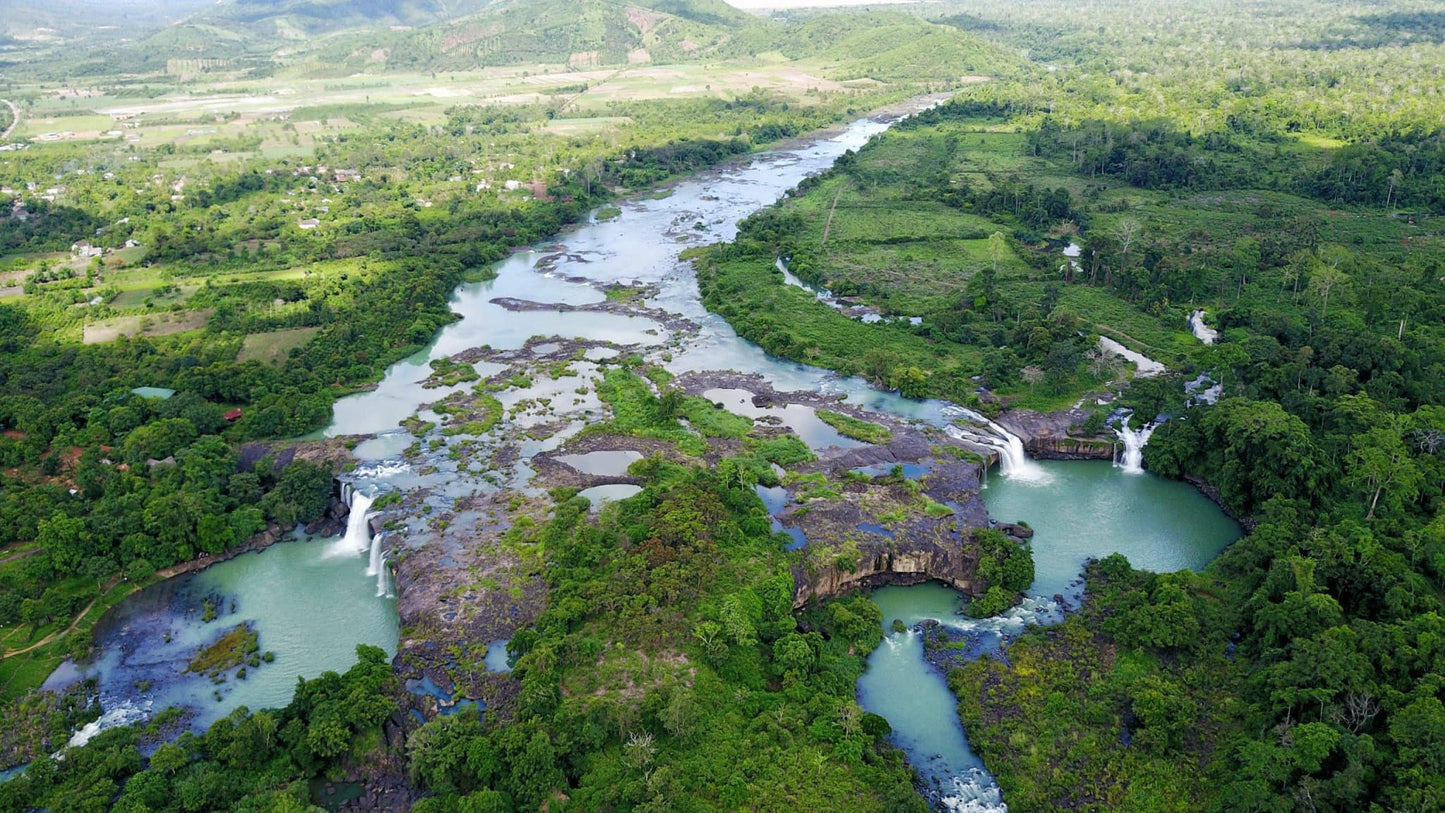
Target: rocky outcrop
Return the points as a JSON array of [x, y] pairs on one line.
[[332, 453], [1069, 448], [1019, 533], [460, 586], [955, 565], [1048, 435], [881, 530], [674, 323], [1030, 425]]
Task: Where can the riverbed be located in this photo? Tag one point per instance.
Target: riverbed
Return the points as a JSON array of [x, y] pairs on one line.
[[311, 602]]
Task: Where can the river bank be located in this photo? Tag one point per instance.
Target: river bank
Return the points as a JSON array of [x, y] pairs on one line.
[[560, 392]]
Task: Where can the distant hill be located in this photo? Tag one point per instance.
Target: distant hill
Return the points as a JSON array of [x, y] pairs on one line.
[[443, 33], [344, 37], [295, 19], [74, 19], [583, 33]]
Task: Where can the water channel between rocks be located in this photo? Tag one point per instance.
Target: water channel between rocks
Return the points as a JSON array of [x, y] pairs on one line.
[[311, 603], [1079, 511]]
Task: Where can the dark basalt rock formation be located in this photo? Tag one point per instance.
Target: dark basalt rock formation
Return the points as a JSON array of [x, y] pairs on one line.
[[1048, 435], [883, 562], [847, 550], [1072, 448]]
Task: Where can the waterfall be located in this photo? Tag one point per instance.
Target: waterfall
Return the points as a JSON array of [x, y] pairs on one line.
[[373, 565], [1201, 331], [1071, 253], [124, 713], [1132, 461], [358, 530], [1013, 462], [1144, 367], [383, 579]]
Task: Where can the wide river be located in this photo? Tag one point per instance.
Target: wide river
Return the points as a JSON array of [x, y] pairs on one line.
[[312, 601]]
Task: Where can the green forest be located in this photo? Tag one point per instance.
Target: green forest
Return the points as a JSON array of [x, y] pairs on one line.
[[198, 260]]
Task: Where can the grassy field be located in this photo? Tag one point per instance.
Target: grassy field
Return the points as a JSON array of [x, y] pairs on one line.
[[885, 230], [875, 234], [218, 108], [134, 298], [789, 321], [274, 347], [161, 324], [23, 667]]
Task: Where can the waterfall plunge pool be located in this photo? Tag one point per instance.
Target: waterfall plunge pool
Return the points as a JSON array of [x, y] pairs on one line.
[[312, 609], [1082, 510], [148, 640]]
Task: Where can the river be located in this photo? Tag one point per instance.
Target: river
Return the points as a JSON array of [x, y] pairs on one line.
[[310, 605], [312, 601], [1079, 511], [309, 602]]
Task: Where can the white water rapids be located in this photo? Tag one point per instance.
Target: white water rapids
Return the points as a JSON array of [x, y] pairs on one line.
[[1013, 461], [1132, 459], [1201, 331]]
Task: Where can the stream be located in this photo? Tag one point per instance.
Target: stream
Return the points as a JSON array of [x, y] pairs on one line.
[[311, 601]]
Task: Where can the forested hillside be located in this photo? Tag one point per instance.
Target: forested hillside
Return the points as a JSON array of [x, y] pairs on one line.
[[1295, 204], [212, 232]]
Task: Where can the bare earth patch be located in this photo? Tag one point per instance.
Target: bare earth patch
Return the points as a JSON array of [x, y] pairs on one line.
[[161, 324]]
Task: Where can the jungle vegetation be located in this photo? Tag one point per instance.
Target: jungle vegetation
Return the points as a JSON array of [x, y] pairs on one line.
[[1297, 206], [1278, 166]]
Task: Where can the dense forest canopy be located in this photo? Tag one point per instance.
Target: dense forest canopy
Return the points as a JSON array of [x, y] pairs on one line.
[[1275, 168]]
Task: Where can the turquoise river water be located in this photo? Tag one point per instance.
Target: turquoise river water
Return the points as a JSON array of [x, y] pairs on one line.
[[1078, 510], [312, 601]]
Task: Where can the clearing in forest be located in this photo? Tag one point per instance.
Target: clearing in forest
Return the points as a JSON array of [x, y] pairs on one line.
[[274, 347], [160, 324]]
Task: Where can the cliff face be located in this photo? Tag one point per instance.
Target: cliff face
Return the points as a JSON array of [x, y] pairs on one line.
[[1067, 448], [1046, 435], [925, 552], [878, 533], [953, 564]]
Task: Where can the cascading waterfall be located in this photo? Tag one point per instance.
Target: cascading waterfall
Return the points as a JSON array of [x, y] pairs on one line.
[[975, 791], [1072, 252], [358, 529], [125, 713], [383, 579], [1013, 461], [1132, 461], [358, 539], [1201, 331], [374, 564]]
